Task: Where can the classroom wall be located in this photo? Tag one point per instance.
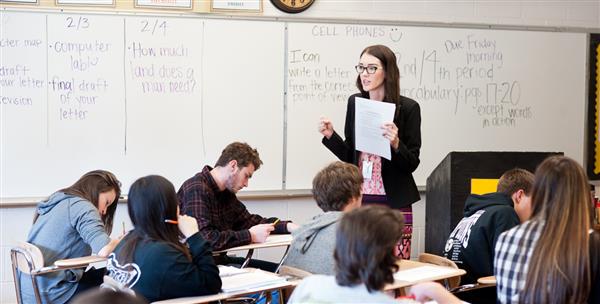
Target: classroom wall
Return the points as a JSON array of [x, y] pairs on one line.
[[560, 13], [584, 14]]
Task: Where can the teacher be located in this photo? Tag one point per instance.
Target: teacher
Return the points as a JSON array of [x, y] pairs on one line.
[[386, 182]]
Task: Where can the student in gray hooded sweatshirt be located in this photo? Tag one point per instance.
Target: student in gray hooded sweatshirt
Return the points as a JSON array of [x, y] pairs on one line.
[[73, 222], [337, 189]]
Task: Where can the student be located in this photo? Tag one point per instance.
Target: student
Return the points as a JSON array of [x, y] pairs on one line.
[[73, 222], [210, 197], [387, 182], [336, 189], [471, 244], [365, 263], [554, 257], [151, 260]]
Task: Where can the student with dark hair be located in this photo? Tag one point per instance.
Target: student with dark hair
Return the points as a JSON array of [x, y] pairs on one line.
[[336, 189], [210, 197], [387, 182], [365, 262], [555, 256], [73, 222], [471, 243], [151, 259]]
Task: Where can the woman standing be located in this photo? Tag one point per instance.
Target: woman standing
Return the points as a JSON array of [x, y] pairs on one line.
[[73, 222], [387, 182]]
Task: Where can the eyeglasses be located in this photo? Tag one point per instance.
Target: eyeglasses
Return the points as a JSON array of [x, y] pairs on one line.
[[371, 69]]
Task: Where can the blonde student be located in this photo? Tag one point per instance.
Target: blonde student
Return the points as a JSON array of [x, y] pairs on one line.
[[73, 222]]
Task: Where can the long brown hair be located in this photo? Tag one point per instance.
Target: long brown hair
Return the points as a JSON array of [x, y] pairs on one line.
[[391, 82], [151, 201], [89, 186], [559, 268]]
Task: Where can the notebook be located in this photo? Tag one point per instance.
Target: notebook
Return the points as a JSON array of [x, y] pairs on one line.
[[250, 280]]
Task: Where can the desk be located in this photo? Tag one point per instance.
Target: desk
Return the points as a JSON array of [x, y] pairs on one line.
[[426, 276], [274, 240]]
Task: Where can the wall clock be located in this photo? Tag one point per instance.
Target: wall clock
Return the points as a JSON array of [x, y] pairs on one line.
[[292, 6]]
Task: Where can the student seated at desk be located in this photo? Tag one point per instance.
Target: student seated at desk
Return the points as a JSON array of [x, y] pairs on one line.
[[150, 259], [73, 222], [554, 257], [210, 197], [336, 189], [365, 262], [471, 244]]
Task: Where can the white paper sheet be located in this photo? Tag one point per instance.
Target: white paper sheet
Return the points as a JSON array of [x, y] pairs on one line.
[[249, 280], [369, 118]]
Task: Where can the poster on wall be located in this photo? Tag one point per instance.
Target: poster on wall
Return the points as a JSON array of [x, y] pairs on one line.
[[251, 6], [20, 1], [86, 2], [593, 129], [178, 4]]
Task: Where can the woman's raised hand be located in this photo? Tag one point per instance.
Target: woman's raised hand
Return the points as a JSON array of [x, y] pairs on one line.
[[325, 127]]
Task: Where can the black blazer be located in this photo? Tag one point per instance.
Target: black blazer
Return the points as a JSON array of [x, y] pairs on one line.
[[398, 181]]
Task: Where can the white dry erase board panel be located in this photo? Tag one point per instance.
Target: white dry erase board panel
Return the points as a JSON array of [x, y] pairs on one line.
[[479, 90], [135, 95]]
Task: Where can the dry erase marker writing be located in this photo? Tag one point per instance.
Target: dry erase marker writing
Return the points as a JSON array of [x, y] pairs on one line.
[[171, 222]]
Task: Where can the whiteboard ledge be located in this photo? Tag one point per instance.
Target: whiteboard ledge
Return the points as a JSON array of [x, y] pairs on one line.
[[11, 202]]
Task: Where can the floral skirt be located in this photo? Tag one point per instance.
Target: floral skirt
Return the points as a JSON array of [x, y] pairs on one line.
[[404, 244]]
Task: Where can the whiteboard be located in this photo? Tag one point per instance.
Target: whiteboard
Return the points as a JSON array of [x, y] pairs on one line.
[[135, 95], [479, 90], [147, 94]]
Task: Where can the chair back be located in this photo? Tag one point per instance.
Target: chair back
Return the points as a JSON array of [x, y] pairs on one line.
[[293, 272], [441, 261], [26, 258]]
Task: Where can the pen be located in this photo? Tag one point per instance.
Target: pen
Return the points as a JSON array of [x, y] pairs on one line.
[[123, 227], [172, 222]]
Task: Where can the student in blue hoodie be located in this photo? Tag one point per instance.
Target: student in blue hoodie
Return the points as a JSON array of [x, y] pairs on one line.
[[471, 244], [73, 222], [152, 259]]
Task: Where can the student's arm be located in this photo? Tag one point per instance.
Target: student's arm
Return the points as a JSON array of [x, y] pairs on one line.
[[85, 218], [248, 220], [406, 157], [220, 239], [434, 291], [196, 206], [184, 278]]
